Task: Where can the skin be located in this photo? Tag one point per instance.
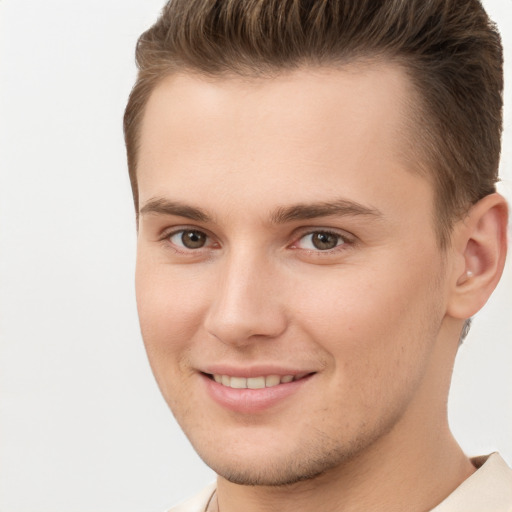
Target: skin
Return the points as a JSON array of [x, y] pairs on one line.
[[375, 320]]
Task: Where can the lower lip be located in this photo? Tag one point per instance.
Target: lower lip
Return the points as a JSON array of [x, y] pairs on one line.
[[250, 401]]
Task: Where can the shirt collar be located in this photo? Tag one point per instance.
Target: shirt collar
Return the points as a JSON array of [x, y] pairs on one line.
[[489, 488]]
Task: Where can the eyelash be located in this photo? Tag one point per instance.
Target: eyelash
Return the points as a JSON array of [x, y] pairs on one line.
[[344, 242], [182, 250]]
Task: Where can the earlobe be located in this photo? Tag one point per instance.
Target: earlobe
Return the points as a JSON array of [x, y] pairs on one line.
[[480, 242]]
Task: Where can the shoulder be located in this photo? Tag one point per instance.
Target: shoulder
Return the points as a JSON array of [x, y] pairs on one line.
[[197, 503], [489, 488]]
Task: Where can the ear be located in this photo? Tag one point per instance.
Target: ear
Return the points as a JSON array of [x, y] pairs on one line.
[[479, 243]]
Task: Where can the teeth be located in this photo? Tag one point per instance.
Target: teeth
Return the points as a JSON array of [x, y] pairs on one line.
[[256, 382], [238, 382], [272, 380]]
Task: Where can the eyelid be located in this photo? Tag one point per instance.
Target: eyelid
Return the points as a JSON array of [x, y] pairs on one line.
[[348, 240], [166, 235]]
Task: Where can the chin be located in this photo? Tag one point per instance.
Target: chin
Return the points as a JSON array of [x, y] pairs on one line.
[[273, 473], [308, 460]]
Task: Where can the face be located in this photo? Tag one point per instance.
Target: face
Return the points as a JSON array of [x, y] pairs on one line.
[[290, 289]]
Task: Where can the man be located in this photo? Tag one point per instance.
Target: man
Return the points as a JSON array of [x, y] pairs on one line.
[[315, 191]]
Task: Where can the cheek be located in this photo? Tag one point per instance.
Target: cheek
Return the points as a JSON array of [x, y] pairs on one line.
[[169, 310], [374, 328], [359, 305], [170, 304]]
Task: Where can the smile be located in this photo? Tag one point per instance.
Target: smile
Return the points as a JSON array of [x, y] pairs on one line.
[[254, 394], [268, 381]]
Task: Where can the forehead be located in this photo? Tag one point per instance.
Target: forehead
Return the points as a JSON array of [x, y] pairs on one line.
[[304, 132]]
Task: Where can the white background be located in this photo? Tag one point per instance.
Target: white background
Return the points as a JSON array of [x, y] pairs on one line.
[[82, 424]]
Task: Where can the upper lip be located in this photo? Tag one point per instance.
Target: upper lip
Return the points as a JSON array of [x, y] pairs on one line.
[[253, 371]]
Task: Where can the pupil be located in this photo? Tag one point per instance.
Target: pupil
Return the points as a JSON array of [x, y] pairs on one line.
[[325, 241], [193, 239]]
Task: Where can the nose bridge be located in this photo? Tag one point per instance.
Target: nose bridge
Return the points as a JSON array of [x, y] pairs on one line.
[[246, 301]]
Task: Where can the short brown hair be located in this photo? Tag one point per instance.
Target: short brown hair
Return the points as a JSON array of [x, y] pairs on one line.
[[449, 48]]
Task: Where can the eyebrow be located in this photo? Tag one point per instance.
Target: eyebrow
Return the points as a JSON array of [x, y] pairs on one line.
[[166, 207], [281, 215], [338, 208]]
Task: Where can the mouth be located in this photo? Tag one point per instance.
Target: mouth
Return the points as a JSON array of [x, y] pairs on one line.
[[256, 393], [261, 382]]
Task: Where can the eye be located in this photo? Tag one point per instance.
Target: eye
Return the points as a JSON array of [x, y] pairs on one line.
[[189, 238], [320, 241]]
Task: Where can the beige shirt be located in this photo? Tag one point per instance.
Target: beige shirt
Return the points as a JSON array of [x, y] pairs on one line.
[[489, 489]]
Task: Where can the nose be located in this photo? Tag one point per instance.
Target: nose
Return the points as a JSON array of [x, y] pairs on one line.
[[246, 304]]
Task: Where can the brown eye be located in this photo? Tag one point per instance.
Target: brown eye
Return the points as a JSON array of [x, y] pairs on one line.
[[189, 238], [324, 241], [321, 241]]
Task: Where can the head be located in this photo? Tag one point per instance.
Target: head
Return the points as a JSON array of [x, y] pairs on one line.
[[313, 182]]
